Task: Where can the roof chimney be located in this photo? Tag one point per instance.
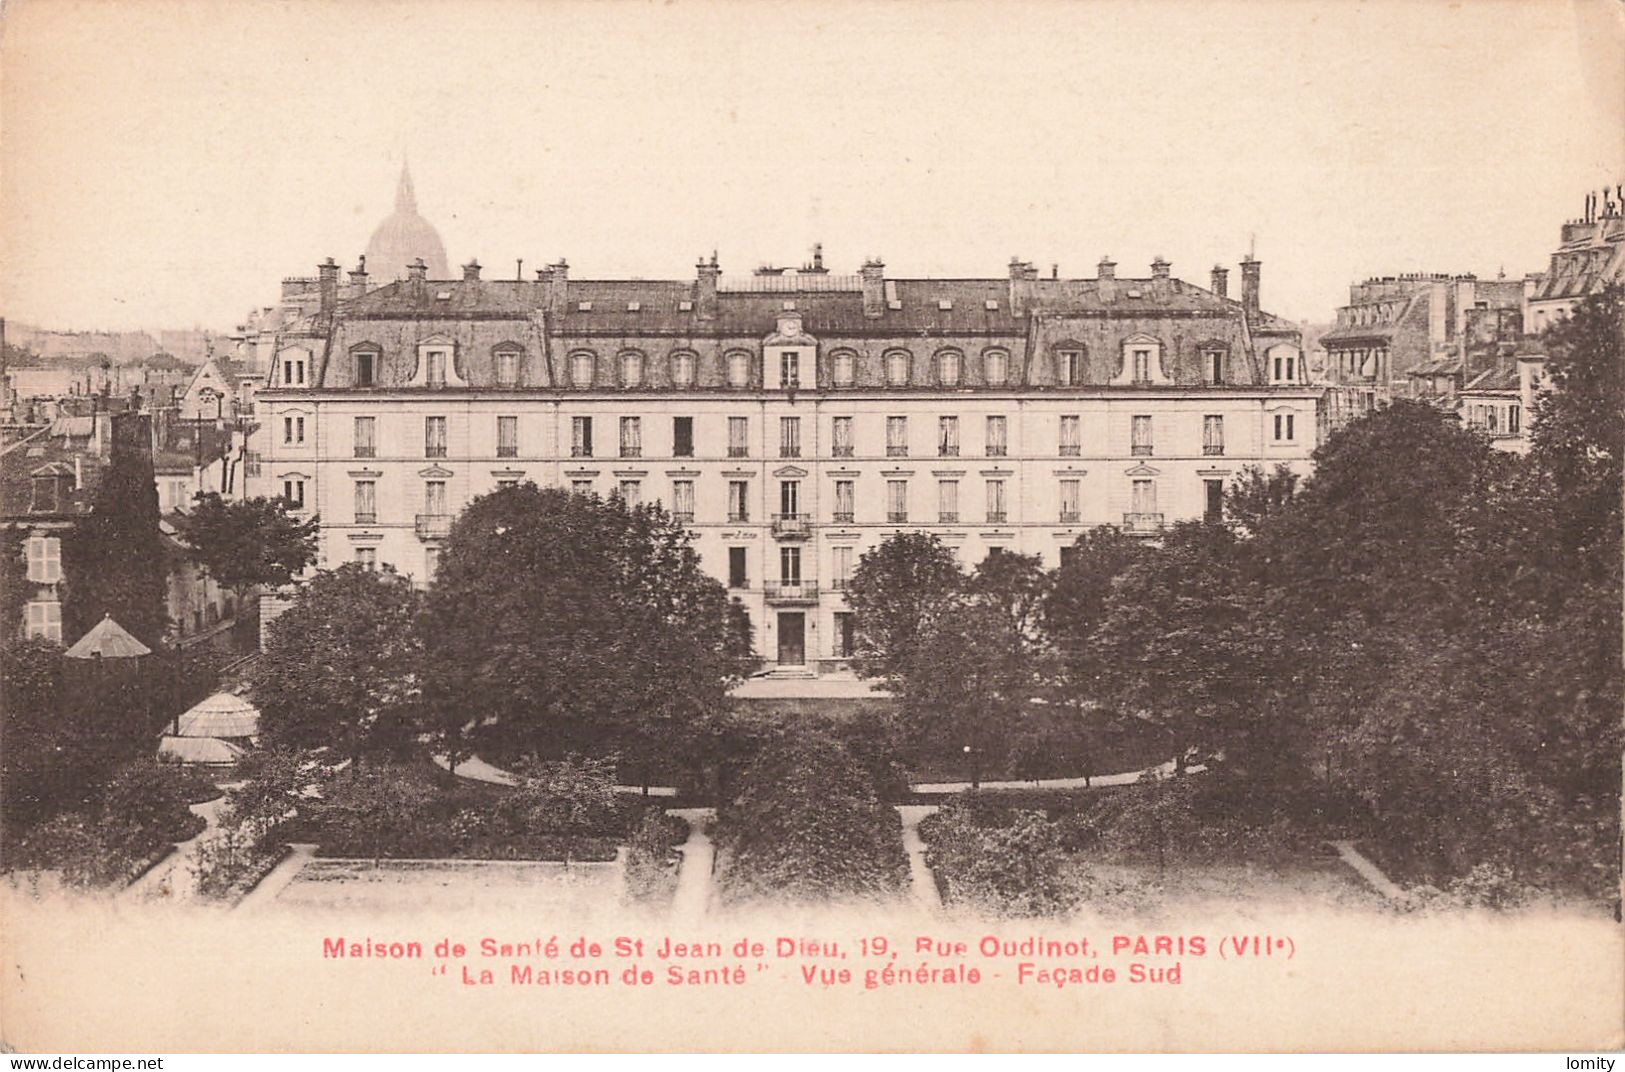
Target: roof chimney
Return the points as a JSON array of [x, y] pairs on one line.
[[706, 272], [1249, 285], [358, 278], [1159, 269], [328, 285], [471, 271], [874, 288], [417, 277], [1221, 281], [1107, 268], [1161, 286], [1106, 279]]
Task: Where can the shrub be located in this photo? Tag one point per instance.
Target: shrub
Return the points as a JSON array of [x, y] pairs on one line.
[[1002, 863], [569, 796], [652, 857], [153, 800], [808, 825]]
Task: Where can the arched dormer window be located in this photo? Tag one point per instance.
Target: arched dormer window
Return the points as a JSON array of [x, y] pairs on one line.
[[897, 366], [437, 364], [583, 367], [1213, 356], [1141, 362], [949, 365], [843, 368], [508, 357], [738, 368], [631, 369], [682, 368], [995, 367], [366, 363]]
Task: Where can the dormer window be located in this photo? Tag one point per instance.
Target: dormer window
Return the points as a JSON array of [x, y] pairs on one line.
[[843, 368], [790, 369], [1213, 366], [366, 368], [293, 370], [1142, 365], [507, 361], [435, 364], [682, 369], [1068, 367], [948, 364], [581, 369], [995, 367], [897, 368], [738, 369], [631, 369]]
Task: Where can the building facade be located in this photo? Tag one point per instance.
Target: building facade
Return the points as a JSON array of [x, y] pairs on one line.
[[792, 420], [1590, 256]]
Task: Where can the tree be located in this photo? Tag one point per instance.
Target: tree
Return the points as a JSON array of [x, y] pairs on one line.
[[1254, 497], [581, 623], [1012, 867], [1075, 606], [896, 590], [34, 768], [115, 560], [341, 666], [808, 825], [244, 543]]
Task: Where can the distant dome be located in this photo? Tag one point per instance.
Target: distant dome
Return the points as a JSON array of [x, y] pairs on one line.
[[403, 238]]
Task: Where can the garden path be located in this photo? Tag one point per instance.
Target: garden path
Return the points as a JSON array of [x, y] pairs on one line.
[[1368, 870], [476, 769], [279, 877], [693, 894], [921, 883], [173, 879]]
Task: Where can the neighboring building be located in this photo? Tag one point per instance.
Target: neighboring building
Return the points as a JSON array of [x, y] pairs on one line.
[[1500, 402], [1591, 255], [212, 393], [48, 482], [1414, 336], [793, 420], [405, 237]]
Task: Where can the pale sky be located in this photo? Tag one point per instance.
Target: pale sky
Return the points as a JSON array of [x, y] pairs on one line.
[[165, 164]]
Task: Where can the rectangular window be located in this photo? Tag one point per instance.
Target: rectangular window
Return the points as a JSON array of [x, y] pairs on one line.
[[1142, 366], [1069, 368], [738, 577], [366, 437], [896, 437], [293, 429], [738, 437], [1213, 434], [1141, 435], [845, 496], [580, 437], [682, 500], [507, 368], [790, 498], [1283, 427], [1213, 501], [581, 487], [840, 558], [293, 492], [367, 557], [682, 437], [293, 372], [45, 620], [846, 634], [1070, 495], [507, 437], [841, 437], [44, 559], [1213, 366], [948, 501], [738, 500], [434, 437], [437, 368], [1144, 497], [948, 437], [434, 497], [790, 369], [631, 492], [631, 437], [790, 567], [789, 437], [998, 443], [896, 501], [507, 482], [995, 501], [366, 502], [1514, 418], [365, 374], [1071, 435]]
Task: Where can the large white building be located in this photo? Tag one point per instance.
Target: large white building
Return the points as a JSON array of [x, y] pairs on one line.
[[792, 419]]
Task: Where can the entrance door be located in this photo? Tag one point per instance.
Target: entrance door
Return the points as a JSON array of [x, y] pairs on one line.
[[792, 639]]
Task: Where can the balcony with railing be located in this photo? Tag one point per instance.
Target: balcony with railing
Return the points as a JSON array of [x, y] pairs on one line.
[[792, 592], [1069, 517], [738, 452], [843, 517], [997, 517], [366, 450], [997, 450], [947, 517], [896, 450], [683, 517], [366, 517], [1142, 524], [738, 517], [792, 526], [1141, 450], [948, 450], [897, 517], [841, 450], [433, 526], [1071, 450], [435, 450], [1213, 450]]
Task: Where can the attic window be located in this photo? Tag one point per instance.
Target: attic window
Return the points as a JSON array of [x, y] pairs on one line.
[[685, 306], [894, 304], [633, 306], [444, 295], [991, 306], [944, 304], [584, 307], [787, 305]]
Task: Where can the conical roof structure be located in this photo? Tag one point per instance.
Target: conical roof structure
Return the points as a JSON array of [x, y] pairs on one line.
[[110, 640], [404, 237], [222, 715]]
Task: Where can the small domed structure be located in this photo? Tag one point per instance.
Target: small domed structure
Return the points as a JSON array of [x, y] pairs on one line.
[[404, 237]]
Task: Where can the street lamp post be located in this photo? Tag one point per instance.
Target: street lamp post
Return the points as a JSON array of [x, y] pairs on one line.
[[975, 767]]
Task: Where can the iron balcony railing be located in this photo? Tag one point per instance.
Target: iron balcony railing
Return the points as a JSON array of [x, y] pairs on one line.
[[791, 525], [793, 592], [433, 526], [1142, 522]]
